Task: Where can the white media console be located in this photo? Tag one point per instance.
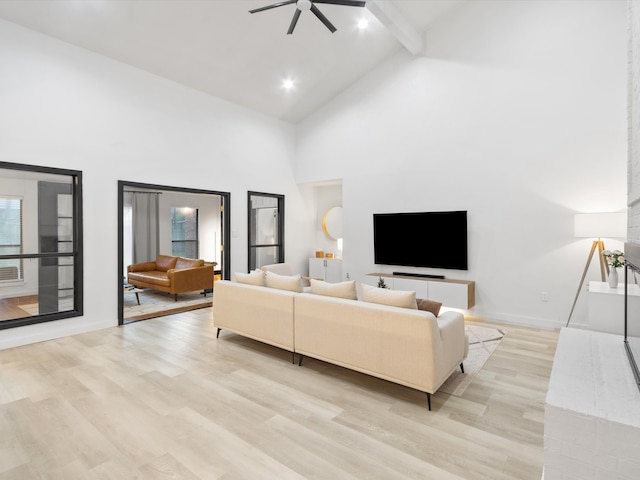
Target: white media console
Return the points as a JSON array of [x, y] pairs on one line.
[[451, 293]]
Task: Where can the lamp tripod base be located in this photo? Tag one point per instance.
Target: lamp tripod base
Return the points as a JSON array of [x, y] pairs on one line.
[[604, 271]]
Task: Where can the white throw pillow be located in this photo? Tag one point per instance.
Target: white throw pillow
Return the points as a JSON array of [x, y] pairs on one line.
[[254, 278], [384, 296], [293, 283], [341, 289]]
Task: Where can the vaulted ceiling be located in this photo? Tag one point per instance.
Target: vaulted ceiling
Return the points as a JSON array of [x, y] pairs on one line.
[[218, 47]]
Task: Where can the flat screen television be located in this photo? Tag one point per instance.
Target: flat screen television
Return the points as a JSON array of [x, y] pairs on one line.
[[421, 239]]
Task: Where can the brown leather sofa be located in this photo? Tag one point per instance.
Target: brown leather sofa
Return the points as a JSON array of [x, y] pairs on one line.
[[172, 275]]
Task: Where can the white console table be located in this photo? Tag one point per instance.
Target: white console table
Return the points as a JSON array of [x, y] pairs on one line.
[[327, 269], [606, 306], [451, 293]]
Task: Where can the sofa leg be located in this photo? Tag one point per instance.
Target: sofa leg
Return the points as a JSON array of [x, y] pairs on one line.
[[218, 333], [293, 357], [461, 367], [429, 400], [300, 361], [175, 298]]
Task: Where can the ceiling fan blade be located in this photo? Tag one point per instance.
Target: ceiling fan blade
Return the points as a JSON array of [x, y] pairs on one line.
[[268, 7], [294, 20], [322, 18], [346, 3]]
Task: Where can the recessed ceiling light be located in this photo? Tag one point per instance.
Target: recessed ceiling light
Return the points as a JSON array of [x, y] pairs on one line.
[[288, 84], [363, 24]]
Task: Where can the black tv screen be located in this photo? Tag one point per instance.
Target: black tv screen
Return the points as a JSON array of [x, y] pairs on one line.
[[421, 239]]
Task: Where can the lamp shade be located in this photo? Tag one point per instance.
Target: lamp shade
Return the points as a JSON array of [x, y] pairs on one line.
[[599, 225]]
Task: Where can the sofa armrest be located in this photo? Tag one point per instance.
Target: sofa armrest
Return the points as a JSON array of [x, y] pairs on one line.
[[141, 267], [452, 335], [451, 324]]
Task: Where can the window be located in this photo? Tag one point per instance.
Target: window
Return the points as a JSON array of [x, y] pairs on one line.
[[11, 238], [266, 229], [184, 232], [40, 244]]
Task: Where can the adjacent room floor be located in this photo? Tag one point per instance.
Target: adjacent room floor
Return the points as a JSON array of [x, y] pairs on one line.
[[142, 304]]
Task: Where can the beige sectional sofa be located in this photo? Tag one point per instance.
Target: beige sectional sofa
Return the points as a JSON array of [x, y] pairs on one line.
[[407, 346], [260, 313]]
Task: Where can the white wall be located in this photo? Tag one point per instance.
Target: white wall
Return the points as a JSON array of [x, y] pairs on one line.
[[65, 107], [517, 114]]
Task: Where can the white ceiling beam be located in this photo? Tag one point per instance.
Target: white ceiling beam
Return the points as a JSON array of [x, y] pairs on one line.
[[389, 14]]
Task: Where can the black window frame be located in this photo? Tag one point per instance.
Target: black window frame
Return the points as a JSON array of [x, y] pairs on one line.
[[76, 253], [195, 241], [251, 247], [19, 246]]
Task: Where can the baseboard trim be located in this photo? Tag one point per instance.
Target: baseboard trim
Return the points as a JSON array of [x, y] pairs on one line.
[[520, 320], [43, 332]]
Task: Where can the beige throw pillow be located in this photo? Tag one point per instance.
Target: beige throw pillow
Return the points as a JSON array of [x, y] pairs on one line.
[[340, 290], [253, 278], [384, 296], [293, 283]]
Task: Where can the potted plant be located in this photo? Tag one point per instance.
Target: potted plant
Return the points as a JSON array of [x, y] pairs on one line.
[[615, 260]]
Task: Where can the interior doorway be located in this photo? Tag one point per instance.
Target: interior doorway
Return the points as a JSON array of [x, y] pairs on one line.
[[147, 227]]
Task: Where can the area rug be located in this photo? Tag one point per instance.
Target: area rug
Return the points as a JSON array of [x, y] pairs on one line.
[[483, 341], [156, 304]]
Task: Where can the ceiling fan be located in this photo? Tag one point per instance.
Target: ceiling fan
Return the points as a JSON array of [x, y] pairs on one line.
[[304, 5]]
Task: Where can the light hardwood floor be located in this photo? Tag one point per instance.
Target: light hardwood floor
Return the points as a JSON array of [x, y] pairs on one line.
[[163, 398], [10, 308]]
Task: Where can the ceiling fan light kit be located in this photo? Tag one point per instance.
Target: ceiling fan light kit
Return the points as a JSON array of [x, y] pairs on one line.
[[306, 5], [303, 5]]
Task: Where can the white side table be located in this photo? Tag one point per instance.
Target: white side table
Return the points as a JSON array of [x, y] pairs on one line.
[[606, 306]]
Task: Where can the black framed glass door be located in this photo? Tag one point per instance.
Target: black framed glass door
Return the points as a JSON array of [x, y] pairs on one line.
[[266, 229]]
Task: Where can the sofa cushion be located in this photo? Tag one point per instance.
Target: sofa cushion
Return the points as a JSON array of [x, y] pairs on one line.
[[165, 262], [151, 277], [429, 306], [341, 289], [255, 277], [293, 283], [384, 296], [182, 262]]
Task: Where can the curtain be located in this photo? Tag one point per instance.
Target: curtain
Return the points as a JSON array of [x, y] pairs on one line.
[[146, 238]]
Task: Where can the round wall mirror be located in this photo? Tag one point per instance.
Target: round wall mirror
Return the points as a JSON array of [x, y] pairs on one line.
[[332, 223]]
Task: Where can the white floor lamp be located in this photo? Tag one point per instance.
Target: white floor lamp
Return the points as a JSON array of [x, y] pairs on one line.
[[597, 225]]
